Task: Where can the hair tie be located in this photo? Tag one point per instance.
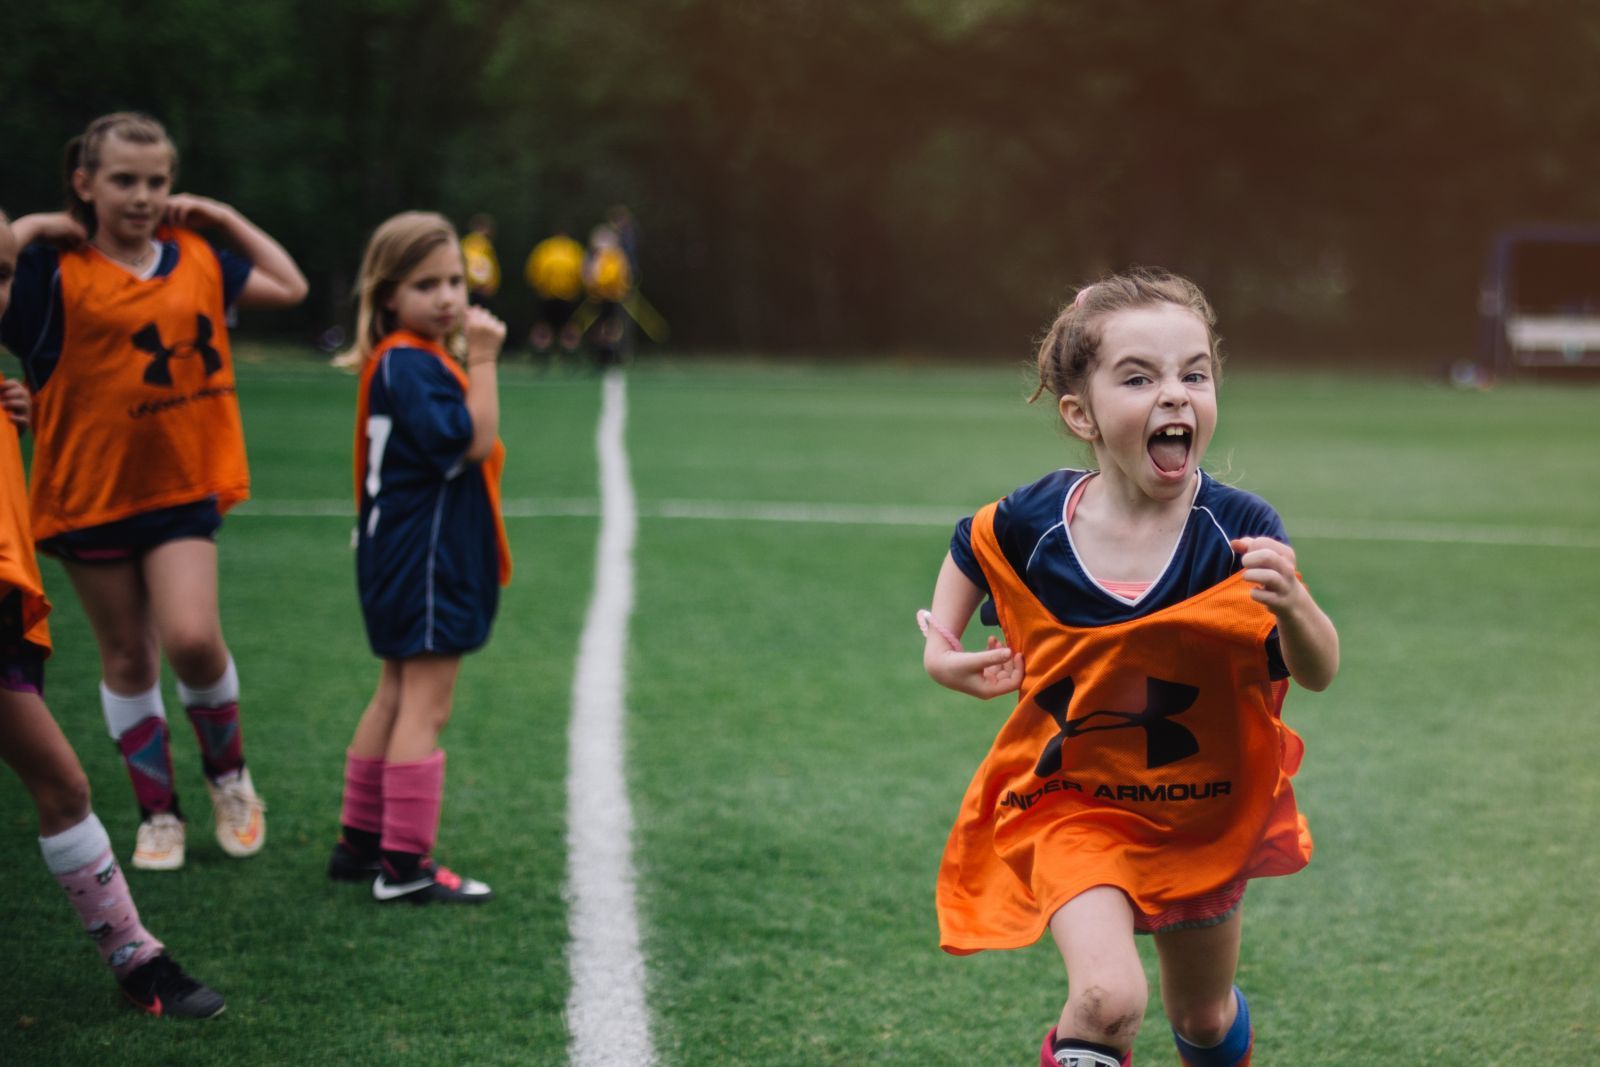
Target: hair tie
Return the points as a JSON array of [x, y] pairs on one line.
[[925, 621], [1077, 301]]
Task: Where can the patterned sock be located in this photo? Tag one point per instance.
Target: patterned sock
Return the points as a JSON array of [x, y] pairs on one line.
[[221, 743], [213, 711], [361, 815], [1232, 1051], [413, 793], [147, 753], [81, 860]]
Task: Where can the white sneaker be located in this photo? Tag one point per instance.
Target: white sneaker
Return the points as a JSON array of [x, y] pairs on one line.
[[159, 846], [241, 822]]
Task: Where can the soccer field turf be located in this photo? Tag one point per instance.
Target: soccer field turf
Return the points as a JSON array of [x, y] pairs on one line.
[[793, 773]]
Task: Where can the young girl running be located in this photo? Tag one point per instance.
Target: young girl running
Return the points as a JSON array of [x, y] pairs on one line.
[[1152, 617], [431, 549], [76, 849], [139, 450]]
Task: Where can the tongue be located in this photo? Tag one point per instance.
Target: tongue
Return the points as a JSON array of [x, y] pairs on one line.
[[1169, 453]]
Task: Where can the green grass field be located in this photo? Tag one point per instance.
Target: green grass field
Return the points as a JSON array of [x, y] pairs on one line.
[[793, 773]]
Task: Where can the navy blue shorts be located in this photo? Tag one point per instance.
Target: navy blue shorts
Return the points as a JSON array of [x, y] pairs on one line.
[[130, 538], [21, 662]]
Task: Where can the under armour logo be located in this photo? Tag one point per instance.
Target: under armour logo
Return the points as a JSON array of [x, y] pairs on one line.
[[1165, 741], [159, 372]]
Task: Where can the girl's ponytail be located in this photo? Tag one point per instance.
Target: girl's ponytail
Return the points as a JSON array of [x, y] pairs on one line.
[[79, 208]]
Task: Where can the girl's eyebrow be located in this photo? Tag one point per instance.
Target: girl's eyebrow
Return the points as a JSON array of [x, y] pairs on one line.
[[1141, 361]]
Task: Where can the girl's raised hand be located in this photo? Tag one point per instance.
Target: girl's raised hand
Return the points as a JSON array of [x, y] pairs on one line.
[[16, 403], [1306, 635], [485, 334], [57, 227], [993, 672], [196, 212], [1269, 566]]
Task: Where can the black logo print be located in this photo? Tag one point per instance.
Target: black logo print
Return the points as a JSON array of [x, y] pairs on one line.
[[1165, 741], [159, 372]]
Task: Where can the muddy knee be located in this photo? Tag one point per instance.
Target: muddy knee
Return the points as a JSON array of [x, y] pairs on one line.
[[1107, 1013]]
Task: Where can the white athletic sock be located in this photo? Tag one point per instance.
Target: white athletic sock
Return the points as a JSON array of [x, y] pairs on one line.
[[76, 847], [224, 690], [123, 713]]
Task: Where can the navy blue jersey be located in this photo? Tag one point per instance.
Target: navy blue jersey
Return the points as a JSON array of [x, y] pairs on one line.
[[1031, 528], [427, 556], [33, 325]]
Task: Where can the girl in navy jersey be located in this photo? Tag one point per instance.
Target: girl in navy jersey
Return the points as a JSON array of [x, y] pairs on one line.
[[1152, 617], [119, 316], [431, 551], [77, 850]]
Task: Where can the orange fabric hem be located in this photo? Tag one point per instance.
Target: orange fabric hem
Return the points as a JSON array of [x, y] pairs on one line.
[[958, 946]]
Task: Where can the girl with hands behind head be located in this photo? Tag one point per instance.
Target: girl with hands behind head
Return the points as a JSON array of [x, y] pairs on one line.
[[1152, 618], [119, 314]]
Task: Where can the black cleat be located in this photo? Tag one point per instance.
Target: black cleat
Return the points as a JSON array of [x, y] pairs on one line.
[[430, 884], [161, 988], [346, 865]]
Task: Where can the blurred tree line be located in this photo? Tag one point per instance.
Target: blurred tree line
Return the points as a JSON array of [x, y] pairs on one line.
[[894, 174]]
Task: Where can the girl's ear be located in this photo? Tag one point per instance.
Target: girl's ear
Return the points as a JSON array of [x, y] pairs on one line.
[[81, 185], [1079, 419]]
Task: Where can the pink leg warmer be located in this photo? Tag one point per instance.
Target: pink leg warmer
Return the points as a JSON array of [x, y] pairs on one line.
[[413, 793], [363, 794]]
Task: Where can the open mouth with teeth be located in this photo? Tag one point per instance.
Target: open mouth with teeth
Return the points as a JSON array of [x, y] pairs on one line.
[[1169, 448]]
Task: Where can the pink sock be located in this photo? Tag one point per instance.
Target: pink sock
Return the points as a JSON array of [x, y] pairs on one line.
[[363, 794], [100, 896], [221, 743], [147, 752], [413, 793]]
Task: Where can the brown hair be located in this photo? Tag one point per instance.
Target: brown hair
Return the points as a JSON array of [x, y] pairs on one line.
[[83, 153], [394, 250], [1069, 348]]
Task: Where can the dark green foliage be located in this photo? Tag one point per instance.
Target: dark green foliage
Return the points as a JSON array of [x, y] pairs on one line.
[[854, 176]]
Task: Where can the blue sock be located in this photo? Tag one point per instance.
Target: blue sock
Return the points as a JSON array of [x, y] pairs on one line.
[[1225, 1053]]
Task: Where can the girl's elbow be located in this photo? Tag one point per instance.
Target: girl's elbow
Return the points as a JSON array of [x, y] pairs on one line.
[[1317, 677], [291, 288], [276, 296]]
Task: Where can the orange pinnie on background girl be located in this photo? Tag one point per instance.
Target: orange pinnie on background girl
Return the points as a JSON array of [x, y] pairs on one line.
[[431, 549], [119, 316], [1152, 618]]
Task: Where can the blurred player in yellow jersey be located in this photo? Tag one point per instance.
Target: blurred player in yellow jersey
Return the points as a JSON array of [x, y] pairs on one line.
[[483, 267], [555, 273], [608, 280]]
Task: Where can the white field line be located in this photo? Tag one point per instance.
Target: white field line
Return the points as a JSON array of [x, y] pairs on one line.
[[608, 1021], [1438, 533]]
